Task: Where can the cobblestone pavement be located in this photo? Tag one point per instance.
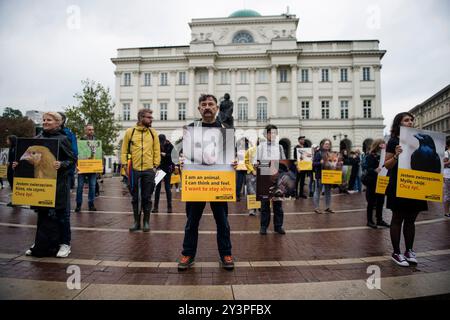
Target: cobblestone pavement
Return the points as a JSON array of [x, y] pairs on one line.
[[321, 256]]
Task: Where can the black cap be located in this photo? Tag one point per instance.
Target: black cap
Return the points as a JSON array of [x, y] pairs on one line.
[[301, 137]]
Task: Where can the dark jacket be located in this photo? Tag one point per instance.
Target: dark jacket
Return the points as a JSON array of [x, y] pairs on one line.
[[166, 161], [317, 166], [372, 163], [67, 159], [11, 158]]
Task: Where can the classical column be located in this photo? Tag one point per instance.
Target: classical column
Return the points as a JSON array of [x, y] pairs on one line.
[[211, 80], [355, 110], [377, 103], [192, 103], [273, 95], [294, 88], [171, 112], [118, 105], [233, 85], [252, 99], [315, 103], [334, 112], [135, 106], [155, 84]]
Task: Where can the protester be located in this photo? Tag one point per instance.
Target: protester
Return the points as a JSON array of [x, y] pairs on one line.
[[404, 211], [141, 144], [11, 141], [52, 130], [269, 151], [91, 178], [319, 161], [447, 178], [374, 199], [250, 159], [167, 166], [73, 142], [208, 109], [300, 174], [241, 171]]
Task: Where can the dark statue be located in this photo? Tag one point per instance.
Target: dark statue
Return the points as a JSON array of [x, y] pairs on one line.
[[226, 111]]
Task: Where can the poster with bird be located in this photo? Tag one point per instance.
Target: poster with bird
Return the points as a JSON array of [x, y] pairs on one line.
[[35, 175], [90, 156], [3, 162], [420, 165]]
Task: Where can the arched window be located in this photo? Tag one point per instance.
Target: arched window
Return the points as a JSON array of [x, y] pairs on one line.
[[242, 109], [261, 109], [243, 37]]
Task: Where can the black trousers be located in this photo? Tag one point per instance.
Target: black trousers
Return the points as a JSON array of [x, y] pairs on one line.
[[166, 181], [300, 178], [278, 214], [146, 180], [374, 200]]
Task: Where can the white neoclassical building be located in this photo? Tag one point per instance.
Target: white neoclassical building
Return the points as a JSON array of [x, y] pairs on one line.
[[317, 89]]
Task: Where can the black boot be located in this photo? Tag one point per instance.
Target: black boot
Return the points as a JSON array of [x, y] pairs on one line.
[[146, 227], [137, 222]]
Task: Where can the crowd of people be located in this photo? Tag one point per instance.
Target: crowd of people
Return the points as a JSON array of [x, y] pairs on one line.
[[144, 152]]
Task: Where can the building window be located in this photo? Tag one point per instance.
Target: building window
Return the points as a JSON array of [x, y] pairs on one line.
[[163, 79], [182, 111], [163, 111], [344, 109], [283, 75], [242, 109], [325, 75], [243, 37], [126, 111], [326, 109], [305, 75], [261, 109], [147, 106], [243, 75], [367, 108], [366, 74], [127, 79], [182, 78], [262, 76], [305, 110], [224, 77], [202, 77], [147, 79], [344, 75]]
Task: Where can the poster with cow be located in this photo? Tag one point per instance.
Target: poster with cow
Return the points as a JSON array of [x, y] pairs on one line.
[[420, 165]]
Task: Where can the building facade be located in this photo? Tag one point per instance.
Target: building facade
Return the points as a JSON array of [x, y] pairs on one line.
[[434, 113], [323, 89]]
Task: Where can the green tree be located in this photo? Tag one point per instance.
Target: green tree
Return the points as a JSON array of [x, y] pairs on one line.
[[20, 127], [11, 113], [94, 107]]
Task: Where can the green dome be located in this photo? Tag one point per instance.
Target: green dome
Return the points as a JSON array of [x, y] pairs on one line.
[[244, 13]]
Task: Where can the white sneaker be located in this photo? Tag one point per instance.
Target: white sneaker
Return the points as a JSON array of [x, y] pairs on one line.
[[400, 260], [410, 256], [28, 252], [64, 251]]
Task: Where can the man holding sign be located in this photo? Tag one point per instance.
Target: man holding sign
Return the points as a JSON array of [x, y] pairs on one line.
[[90, 177], [202, 147]]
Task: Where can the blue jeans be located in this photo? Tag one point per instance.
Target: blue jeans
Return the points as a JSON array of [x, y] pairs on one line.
[[318, 191], [240, 177], [92, 179], [194, 211], [358, 185]]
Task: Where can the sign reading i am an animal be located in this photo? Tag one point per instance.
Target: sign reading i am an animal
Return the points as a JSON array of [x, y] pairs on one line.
[[420, 164], [90, 156], [3, 162], [35, 175]]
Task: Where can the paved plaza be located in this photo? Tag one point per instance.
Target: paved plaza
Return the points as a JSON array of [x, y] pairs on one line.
[[323, 256]]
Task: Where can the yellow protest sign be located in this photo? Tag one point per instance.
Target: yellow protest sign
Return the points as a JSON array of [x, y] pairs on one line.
[[206, 185], [175, 178], [304, 165], [90, 166], [331, 177], [34, 192], [252, 203], [382, 183], [3, 171], [421, 185]]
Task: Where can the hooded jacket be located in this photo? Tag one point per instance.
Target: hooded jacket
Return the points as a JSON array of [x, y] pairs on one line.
[[144, 148]]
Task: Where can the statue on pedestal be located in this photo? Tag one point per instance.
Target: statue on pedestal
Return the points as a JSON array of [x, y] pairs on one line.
[[226, 111]]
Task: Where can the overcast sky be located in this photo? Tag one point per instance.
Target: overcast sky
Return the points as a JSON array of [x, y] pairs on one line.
[[47, 48]]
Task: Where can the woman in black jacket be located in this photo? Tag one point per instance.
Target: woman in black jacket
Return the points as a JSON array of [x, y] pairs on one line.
[[374, 199], [167, 166], [404, 211], [52, 130]]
